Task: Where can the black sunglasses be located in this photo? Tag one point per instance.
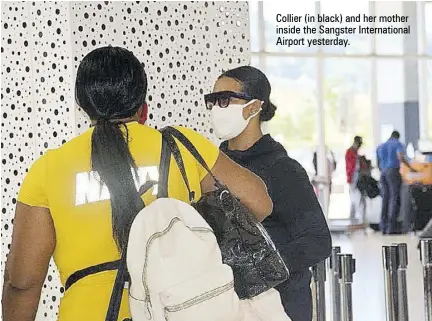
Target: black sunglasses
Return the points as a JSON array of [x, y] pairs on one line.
[[223, 98]]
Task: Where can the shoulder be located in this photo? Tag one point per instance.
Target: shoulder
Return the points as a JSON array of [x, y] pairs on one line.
[[42, 160], [200, 141], [286, 166], [190, 133], [207, 149]]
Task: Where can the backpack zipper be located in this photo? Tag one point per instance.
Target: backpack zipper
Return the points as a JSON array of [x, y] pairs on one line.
[[155, 236], [198, 299]]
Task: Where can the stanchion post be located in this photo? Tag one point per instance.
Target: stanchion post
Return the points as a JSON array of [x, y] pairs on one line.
[[319, 275], [346, 271], [402, 264], [426, 258], [334, 283], [389, 255]]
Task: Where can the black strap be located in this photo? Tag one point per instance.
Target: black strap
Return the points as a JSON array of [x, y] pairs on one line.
[[117, 291], [107, 266], [164, 170], [78, 275], [175, 151], [191, 148]]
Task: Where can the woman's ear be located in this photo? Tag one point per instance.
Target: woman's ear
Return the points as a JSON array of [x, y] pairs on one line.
[[255, 107]]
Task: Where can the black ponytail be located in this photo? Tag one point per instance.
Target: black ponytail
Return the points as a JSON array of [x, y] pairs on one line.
[[268, 111], [112, 160], [111, 86]]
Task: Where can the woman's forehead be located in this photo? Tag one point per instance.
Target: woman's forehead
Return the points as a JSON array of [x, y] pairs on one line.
[[227, 84]]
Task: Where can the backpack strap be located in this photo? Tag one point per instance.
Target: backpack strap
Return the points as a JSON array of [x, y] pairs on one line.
[[164, 170], [168, 139], [118, 287], [191, 148], [107, 266], [78, 275]]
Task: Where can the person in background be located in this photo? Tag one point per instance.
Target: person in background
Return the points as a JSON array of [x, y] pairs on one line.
[[58, 212], [352, 165], [389, 156], [240, 102]]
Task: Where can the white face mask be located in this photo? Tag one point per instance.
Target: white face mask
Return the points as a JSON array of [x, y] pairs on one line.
[[228, 122]]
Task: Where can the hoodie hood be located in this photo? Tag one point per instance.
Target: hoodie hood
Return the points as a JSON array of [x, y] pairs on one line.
[[265, 148]]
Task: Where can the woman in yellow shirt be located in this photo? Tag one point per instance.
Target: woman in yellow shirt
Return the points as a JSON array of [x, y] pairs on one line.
[[77, 202]]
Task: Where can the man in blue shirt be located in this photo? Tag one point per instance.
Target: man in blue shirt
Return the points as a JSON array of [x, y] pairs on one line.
[[389, 155]]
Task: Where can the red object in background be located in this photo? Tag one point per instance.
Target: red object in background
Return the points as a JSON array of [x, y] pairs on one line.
[[350, 163], [142, 118]]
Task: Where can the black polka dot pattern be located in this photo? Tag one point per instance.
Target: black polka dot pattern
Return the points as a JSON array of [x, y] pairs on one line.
[[184, 46]]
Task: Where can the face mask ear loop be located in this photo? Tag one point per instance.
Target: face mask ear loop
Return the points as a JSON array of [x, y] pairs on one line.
[[257, 112]]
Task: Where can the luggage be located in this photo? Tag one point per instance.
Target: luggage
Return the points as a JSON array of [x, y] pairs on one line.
[[176, 268], [426, 233], [421, 205], [368, 185]]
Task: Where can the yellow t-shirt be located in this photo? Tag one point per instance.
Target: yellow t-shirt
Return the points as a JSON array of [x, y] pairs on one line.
[[61, 180]]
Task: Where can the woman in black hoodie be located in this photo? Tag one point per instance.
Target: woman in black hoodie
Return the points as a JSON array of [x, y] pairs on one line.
[[240, 102]]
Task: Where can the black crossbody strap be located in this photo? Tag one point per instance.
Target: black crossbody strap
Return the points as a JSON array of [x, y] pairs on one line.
[[164, 170], [191, 148], [175, 151], [78, 275], [117, 291]]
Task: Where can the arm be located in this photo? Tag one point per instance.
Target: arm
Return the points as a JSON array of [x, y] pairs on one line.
[[244, 184], [295, 204], [403, 159], [378, 158], [33, 243]]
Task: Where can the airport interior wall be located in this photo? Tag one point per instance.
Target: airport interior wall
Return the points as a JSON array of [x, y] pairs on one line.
[[183, 45]]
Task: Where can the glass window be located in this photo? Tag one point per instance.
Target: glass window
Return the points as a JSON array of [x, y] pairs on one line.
[[347, 81], [293, 84], [390, 80], [429, 95], [387, 44], [358, 43], [253, 23], [289, 10], [347, 95], [428, 27], [348, 112]]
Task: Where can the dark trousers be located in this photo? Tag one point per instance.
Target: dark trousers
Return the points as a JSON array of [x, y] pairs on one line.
[[391, 182], [296, 296]]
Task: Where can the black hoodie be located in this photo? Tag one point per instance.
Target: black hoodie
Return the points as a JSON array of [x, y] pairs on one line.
[[297, 224]]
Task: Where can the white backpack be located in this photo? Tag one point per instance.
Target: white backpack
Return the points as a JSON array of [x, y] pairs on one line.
[[177, 274]]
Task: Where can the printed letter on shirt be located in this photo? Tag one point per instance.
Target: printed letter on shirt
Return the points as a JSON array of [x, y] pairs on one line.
[[88, 188]]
